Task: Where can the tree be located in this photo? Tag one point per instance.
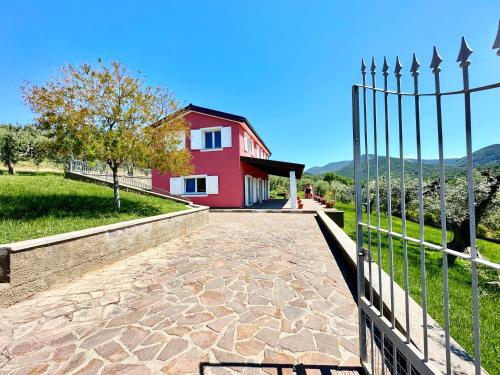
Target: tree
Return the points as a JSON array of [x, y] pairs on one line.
[[106, 113], [486, 187], [330, 176], [37, 144], [321, 187], [342, 192], [14, 146]]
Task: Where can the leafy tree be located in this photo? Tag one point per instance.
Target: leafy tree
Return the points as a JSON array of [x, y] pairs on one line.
[[14, 146], [278, 185], [342, 192], [303, 182], [330, 176], [321, 187], [38, 144], [486, 187], [107, 113]]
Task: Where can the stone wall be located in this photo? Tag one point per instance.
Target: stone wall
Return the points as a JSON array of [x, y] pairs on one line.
[[35, 265]]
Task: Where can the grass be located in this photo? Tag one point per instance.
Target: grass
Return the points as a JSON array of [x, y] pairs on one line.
[[460, 292], [38, 204]]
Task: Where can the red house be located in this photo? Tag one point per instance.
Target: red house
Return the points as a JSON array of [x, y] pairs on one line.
[[231, 162]]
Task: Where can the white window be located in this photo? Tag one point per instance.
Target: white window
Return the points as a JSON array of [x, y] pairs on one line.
[[248, 143], [195, 185], [181, 137], [212, 139]]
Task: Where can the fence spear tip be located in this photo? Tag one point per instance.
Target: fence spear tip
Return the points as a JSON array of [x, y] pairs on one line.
[[385, 68], [398, 68], [436, 60], [465, 52], [496, 43], [414, 66], [363, 66], [374, 66]]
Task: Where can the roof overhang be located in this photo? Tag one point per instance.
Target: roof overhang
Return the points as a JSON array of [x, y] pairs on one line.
[[275, 167]]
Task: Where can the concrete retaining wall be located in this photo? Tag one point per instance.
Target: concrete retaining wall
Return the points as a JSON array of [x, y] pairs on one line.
[[35, 265]]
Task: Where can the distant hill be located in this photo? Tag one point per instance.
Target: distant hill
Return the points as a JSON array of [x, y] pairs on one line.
[[330, 167], [487, 156]]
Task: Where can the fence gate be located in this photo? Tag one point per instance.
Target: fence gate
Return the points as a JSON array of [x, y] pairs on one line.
[[405, 343]]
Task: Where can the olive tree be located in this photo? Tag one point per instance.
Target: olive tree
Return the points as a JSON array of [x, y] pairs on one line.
[[106, 113], [486, 187], [16, 144], [342, 192]]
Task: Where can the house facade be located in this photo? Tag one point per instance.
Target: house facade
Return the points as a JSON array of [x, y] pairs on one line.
[[231, 162]]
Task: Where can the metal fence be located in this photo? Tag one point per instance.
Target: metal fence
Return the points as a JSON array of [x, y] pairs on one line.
[[379, 331], [101, 171]]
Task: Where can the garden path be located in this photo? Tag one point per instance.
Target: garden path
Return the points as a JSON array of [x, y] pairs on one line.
[[249, 288]]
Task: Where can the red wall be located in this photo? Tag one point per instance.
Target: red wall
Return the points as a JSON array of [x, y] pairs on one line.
[[225, 164]]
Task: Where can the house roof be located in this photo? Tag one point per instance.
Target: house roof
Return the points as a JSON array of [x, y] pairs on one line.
[[275, 167], [225, 115]]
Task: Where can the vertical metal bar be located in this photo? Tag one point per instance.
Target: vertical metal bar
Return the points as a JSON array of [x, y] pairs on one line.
[[463, 58], [368, 210], [397, 72], [414, 70], [436, 61], [382, 347], [377, 189], [359, 227], [385, 71]]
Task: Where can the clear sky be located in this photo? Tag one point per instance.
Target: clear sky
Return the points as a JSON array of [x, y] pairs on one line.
[[287, 66]]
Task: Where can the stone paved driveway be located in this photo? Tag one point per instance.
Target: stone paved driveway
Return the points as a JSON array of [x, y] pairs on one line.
[[247, 288]]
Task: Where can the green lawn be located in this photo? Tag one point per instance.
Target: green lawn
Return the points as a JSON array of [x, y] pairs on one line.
[[460, 294], [34, 205]]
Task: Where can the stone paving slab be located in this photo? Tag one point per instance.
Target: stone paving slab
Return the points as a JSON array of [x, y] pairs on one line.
[[247, 288]]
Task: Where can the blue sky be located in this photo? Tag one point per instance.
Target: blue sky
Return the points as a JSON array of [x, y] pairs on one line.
[[288, 66]]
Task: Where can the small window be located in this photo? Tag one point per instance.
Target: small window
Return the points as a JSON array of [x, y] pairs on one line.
[[212, 139], [248, 144], [196, 185]]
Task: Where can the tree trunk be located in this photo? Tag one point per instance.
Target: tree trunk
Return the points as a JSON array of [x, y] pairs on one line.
[[116, 188], [10, 166], [461, 239]]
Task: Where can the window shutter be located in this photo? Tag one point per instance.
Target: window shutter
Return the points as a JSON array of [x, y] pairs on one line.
[[245, 141], [212, 184], [226, 136], [176, 185], [196, 139], [182, 140]]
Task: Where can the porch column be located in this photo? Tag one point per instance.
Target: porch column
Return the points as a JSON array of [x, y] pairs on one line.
[[293, 190]]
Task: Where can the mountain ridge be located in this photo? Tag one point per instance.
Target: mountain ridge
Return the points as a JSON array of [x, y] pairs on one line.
[[489, 155]]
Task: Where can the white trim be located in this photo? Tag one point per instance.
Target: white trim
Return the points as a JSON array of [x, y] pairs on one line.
[[211, 149], [211, 128], [195, 176]]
